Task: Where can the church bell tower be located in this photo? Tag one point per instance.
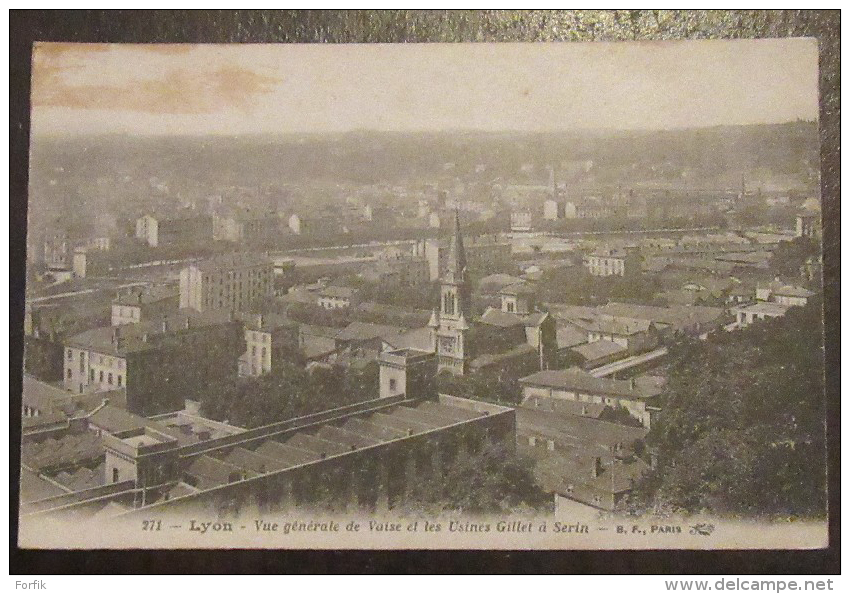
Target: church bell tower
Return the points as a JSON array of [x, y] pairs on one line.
[[449, 324]]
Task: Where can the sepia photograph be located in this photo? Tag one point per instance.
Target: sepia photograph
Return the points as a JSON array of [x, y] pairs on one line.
[[491, 296]]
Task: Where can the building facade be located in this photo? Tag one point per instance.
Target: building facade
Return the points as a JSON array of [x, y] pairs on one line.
[[607, 262], [231, 283], [334, 297], [158, 364], [143, 304], [267, 339], [584, 391]]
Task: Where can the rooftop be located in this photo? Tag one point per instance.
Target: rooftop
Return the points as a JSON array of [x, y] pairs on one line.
[[793, 291], [343, 436], [663, 315], [148, 295], [770, 309], [520, 288], [232, 261], [68, 450], [120, 340], [569, 337], [600, 349], [360, 331], [49, 399], [577, 379], [497, 281], [615, 325], [267, 322], [499, 318], [339, 292], [577, 431]]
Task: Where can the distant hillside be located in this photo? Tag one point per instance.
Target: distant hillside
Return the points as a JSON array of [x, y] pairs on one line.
[[373, 156], [81, 179]]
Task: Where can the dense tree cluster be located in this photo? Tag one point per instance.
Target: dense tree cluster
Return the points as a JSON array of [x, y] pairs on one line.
[[742, 431], [789, 256], [421, 297], [287, 392], [492, 386], [493, 480], [575, 285]]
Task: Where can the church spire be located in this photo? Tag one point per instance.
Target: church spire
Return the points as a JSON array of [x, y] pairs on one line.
[[457, 255]]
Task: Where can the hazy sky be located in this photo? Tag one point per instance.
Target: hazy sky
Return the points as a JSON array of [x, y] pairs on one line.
[[241, 89]]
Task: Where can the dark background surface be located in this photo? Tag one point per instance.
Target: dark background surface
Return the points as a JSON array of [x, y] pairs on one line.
[[425, 26]]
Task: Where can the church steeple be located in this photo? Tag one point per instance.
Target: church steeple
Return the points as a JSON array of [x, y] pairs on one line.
[[457, 255], [450, 325]]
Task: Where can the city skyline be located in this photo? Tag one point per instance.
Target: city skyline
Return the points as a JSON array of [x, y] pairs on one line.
[[298, 89]]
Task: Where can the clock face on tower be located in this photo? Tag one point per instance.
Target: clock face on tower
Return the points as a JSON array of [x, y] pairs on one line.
[[447, 344]]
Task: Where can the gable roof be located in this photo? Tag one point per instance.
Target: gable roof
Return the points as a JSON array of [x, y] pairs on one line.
[[358, 331], [520, 288], [569, 337], [496, 317], [599, 349], [418, 339], [615, 325], [577, 379]]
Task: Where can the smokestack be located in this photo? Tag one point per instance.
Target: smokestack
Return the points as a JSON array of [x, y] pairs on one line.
[[164, 325]]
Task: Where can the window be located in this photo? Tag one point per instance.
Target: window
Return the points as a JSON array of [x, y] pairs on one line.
[[91, 375], [70, 355], [264, 352], [510, 307], [69, 373], [109, 379], [392, 384], [101, 377], [254, 349], [114, 475], [119, 380]]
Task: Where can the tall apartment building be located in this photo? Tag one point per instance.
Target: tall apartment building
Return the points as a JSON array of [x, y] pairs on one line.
[[231, 282]]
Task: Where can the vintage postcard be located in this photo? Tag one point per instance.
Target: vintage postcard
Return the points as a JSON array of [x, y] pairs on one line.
[[425, 296]]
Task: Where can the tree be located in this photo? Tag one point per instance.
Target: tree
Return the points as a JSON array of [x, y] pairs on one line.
[[288, 391], [742, 428], [574, 284], [789, 256], [494, 480]]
